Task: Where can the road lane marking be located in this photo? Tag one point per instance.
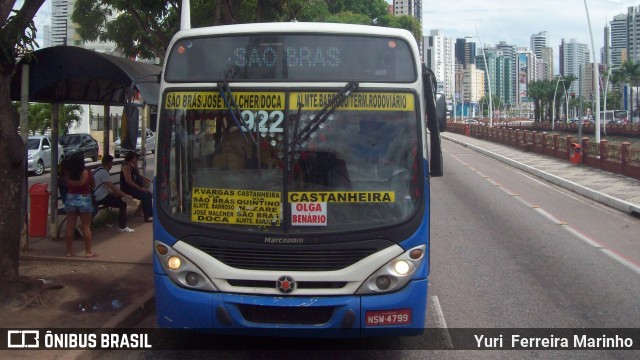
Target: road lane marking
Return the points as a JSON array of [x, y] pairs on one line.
[[630, 264], [441, 324], [583, 237], [621, 259], [546, 214]]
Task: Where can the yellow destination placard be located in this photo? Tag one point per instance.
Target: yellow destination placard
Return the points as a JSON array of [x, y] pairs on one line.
[[241, 207], [211, 100], [356, 101], [342, 196]]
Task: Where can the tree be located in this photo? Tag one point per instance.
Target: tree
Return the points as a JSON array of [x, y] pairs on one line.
[[144, 29], [40, 117], [17, 39], [630, 72], [371, 8], [406, 22], [617, 79]]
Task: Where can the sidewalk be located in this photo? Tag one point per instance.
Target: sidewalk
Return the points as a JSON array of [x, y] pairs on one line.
[[618, 191], [108, 291]]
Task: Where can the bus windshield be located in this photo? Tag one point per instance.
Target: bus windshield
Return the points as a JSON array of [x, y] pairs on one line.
[[266, 167]]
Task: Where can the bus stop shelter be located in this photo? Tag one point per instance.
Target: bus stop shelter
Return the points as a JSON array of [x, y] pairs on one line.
[[74, 75]]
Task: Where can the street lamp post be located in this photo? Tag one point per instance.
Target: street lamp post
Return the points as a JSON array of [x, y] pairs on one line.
[[486, 69], [566, 100], [596, 76], [606, 90], [553, 111]]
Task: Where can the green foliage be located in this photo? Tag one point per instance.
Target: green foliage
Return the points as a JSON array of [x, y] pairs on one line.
[[144, 28], [541, 92], [406, 22], [371, 8], [18, 33], [348, 17], [40, 117]]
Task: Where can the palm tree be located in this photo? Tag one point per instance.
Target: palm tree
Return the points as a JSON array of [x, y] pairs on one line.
[[631, 72], [40, 117], [541, 91], [617, 79]]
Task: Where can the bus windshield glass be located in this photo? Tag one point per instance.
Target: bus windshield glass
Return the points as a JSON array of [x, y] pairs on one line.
[[272, 165], [291, 57]]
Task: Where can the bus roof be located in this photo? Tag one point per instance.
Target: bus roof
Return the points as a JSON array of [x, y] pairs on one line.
[[299, 27]]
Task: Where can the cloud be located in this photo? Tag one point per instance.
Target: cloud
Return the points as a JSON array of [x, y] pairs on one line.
[[514, 21]]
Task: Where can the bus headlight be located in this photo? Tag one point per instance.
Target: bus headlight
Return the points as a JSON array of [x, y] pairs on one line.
[[174, 263], [402, 267], [180, 270], [395, 274]]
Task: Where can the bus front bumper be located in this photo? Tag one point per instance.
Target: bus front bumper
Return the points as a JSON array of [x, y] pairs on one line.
[[398, 313]]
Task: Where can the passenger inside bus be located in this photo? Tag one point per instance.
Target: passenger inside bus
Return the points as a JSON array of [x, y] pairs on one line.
[[236, 150]]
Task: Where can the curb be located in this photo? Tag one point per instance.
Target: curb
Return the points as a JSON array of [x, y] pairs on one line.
[[125, 318], [132, 313], [605, 199]]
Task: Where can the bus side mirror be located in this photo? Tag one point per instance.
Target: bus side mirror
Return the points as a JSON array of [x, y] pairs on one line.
[[429, 86], [441, 112]]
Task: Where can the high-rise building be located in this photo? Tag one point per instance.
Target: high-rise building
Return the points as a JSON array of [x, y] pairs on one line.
[[60, 13], [618, 43], [64, 31], [538, 42], [546, 69], [465, 52], [526, 68], [408, 7], [439, 56], [544, 54], [575, 56], [500, 75], [633, 33], [509, 51]]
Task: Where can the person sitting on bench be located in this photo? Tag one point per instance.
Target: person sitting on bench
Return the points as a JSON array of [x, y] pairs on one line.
[[109, 195]]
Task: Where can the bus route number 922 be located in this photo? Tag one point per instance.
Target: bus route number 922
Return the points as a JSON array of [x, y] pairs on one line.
[[267, 122]]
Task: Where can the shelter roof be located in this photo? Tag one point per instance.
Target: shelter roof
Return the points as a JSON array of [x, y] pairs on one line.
[[74, 75]]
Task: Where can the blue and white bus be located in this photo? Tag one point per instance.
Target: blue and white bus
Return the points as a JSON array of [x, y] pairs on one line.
[[292, 180]]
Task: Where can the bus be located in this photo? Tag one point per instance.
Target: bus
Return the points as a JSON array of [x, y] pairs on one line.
[[619, 117], [291, 191]]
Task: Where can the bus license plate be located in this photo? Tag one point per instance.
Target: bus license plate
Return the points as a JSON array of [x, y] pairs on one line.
[[388, 317]]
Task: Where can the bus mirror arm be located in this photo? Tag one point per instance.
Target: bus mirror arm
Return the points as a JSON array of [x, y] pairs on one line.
[[436, 167]]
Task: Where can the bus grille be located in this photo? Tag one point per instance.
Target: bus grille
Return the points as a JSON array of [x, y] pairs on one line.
[[291, 259], [299, 315]]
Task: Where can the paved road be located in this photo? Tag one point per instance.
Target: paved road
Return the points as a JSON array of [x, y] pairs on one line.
[[508, 251]]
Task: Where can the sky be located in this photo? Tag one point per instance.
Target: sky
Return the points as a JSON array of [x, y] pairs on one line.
[[514, 21]]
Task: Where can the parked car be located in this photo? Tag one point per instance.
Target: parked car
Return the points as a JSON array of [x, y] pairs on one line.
[[73, 143], [39, 154], [149, 145]]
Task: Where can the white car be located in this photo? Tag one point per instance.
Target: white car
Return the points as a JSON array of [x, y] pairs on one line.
[[150, 144], [39, 154]]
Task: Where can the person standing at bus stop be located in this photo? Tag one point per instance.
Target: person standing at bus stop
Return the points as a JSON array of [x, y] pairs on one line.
[[78, 204], [136, 184], [109, 195]]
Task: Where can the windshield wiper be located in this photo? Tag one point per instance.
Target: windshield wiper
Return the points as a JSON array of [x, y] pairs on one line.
[[227, 96], [323, 115]]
